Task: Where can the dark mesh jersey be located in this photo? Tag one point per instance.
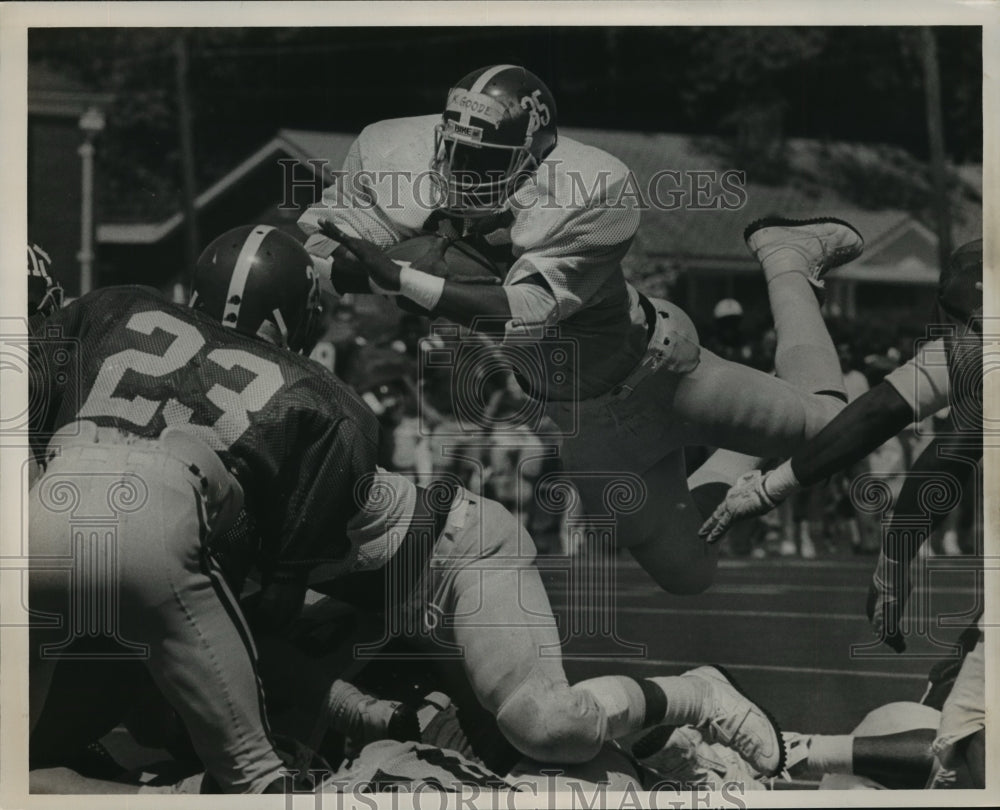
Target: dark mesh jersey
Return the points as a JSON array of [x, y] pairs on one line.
[[298, 438]]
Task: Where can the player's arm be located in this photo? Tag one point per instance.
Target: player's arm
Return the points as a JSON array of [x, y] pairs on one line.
[[467, 303], [864, 425], [335, 448], [914, 390], [351, 201]]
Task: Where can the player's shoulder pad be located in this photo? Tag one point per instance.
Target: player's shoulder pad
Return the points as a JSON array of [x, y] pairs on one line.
[[574, 167], [583, 198], [398, 142], [140, 292], [113, 301], [320, 390]]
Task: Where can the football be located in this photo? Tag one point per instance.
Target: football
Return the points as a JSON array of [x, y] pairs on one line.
[[446, 258]]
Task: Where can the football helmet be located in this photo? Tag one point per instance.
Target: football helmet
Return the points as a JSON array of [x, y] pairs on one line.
[[45, 294], [260, 281], [960, 289], [498, 125]]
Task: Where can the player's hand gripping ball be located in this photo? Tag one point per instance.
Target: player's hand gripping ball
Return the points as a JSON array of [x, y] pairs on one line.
[[450, 259], [436, 255]]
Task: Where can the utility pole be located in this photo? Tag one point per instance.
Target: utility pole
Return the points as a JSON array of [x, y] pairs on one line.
[[935, 139], [187, 163]]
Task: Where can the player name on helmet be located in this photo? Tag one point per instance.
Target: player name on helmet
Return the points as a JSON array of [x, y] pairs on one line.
[[477, 104]]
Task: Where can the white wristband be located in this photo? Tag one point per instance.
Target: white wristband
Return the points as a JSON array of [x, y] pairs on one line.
[[323, 266], [781, 482], [421, 288]]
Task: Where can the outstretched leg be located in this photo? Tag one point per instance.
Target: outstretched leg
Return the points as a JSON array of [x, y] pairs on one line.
[[794, 256]]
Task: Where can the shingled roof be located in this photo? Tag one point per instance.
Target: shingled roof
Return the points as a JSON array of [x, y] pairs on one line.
[[715, 236], [818, 178]]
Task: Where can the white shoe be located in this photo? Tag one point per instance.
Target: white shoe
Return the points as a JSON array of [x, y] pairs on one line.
[[797, 755], [735, 721], [823, 243], [363, 718], [787, 548]]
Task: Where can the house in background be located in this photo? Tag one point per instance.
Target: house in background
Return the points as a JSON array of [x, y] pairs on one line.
[[272, 186], [64, 121], [694, 253]]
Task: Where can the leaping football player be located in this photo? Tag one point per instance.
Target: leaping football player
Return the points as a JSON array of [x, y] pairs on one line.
[[642, 387]]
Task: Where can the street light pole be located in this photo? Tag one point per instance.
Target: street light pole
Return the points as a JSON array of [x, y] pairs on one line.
[[91, 123]]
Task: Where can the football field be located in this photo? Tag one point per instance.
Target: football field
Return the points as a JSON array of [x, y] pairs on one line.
[[788, 630]]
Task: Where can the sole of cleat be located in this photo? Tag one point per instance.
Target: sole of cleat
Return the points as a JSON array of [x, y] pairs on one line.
[[782, 753], [785, 222]]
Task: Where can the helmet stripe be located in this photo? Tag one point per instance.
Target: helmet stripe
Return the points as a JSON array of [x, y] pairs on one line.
[[238, 280], [479, 84]]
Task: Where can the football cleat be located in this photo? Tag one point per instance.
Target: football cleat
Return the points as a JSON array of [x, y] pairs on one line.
[[796, 754], [823, 243], [364, 719], [735, 721]]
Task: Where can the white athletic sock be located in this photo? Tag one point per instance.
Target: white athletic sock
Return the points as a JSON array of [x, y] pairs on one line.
[[686, 699], [621, 699], [780, 259], [805, 355], [831, 753]]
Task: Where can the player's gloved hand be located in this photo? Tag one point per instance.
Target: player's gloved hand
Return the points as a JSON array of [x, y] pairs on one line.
[[887, 595], [381, 269], [746, 498], [753, 494]]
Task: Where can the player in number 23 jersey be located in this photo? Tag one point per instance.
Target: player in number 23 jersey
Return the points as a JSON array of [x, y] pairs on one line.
[[298, 440]]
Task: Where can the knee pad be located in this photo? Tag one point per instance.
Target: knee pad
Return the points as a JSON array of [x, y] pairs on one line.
[[550, 722], [505, 536]]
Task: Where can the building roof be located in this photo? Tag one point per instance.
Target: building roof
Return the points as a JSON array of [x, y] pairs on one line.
[[715, 236], [299, 145], [815, 181], [52, 92]]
